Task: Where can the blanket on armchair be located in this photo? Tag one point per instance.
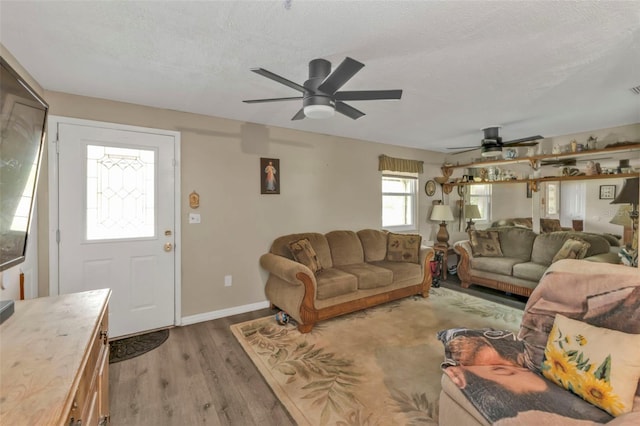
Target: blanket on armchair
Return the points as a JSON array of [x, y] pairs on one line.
[[500, 374]]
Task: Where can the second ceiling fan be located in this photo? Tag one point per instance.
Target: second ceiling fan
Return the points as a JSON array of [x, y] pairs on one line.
[[320, 95], [492, 143]]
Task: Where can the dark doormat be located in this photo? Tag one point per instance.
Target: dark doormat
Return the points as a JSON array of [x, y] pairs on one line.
[[131, 347]]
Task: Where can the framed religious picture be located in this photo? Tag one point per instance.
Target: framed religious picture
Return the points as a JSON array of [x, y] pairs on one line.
[[607, 192], [270, 176]]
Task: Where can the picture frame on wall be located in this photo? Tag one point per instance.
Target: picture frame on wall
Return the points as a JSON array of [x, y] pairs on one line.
[[607, 192], [270, 176]]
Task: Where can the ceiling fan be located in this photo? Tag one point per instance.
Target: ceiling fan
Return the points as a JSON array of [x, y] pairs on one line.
[[320, 95], [492, 142]]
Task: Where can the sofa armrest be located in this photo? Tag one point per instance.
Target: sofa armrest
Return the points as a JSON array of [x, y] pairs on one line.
[[285, 269], [465, 255]]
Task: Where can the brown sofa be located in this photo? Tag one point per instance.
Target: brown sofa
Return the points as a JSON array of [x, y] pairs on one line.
[[356, 274], [526, 257], [589, 283]]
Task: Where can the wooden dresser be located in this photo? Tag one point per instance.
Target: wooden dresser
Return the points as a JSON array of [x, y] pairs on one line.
[[54, 361]]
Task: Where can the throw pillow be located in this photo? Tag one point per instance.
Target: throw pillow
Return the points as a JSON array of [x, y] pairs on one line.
[[598, 364], [573, 248], [304, 253], [485, 243], [403, 247]]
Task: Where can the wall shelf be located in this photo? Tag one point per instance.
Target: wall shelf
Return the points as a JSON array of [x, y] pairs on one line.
[[534, 163], [617, 149]]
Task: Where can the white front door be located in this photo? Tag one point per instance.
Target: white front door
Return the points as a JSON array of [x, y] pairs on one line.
[[116, 220]]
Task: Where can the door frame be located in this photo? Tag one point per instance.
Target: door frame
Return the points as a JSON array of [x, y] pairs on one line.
[[53, 179]]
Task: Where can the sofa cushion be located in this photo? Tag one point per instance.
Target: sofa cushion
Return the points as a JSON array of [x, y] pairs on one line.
[[516, 242], [402, 271], [304, 253], [573, 248], [318, 241], [546, 246], [485, 243], [333, 282], [374, 244], [369, 276], [597, 242], [598, 364], [529, 271], [403, 247], [498, 265], [346, 248]]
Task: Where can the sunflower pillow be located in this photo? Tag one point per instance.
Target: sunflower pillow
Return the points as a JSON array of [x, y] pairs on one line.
[[600, 365]]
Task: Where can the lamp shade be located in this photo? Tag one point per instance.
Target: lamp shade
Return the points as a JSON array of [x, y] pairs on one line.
[[629, 192], [623, 216], [471, 211], [441, 213]]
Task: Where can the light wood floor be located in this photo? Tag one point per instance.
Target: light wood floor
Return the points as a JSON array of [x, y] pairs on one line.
[[199, 376]]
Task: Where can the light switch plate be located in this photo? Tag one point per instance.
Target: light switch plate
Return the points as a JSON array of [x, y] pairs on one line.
[[194, 217]]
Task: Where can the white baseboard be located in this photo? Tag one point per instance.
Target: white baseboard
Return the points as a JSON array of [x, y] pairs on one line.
[[208, 316]]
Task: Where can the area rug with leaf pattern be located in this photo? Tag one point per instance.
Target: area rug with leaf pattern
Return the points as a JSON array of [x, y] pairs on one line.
[[380, 366]]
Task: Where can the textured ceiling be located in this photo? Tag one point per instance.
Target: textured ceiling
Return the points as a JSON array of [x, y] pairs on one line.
[[548, 68]]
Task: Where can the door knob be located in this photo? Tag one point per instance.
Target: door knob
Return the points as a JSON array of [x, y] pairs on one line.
[[168, 246]]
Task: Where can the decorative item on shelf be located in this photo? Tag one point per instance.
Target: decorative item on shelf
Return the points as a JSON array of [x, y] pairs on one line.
[[471, 211], [592, 143], [574, 145], [443, 214], [510, 153], [629, 195]]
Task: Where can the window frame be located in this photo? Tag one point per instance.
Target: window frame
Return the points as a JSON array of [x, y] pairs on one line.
[[413, 195], [486, 205]]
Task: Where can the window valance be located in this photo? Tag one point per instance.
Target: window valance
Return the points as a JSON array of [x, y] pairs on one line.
[[399, 164]]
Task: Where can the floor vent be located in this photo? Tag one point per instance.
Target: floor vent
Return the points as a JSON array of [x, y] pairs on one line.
[[635, 90]]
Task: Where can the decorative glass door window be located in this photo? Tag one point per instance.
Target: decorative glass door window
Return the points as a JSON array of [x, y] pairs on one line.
[[120, 193]]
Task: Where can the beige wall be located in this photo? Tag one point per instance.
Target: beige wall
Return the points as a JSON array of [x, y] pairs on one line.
[[326, 183]]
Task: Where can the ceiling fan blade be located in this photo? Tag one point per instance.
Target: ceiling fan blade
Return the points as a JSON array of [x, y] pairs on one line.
[[368, 95], [257, 101], [519, 141], [348, 110], [465, 150], [464, 147], [276, 77], [347, 69], [299, 115]]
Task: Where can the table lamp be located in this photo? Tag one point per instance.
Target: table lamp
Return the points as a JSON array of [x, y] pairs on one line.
[[442, 213], [471, 211], [630, 195]]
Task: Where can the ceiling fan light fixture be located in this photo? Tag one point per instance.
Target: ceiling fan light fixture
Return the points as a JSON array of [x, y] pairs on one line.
[[319, 111], [491, 151]]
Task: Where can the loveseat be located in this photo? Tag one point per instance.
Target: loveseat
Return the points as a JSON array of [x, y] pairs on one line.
[[516, 385], [313, 277], [524, 256]]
